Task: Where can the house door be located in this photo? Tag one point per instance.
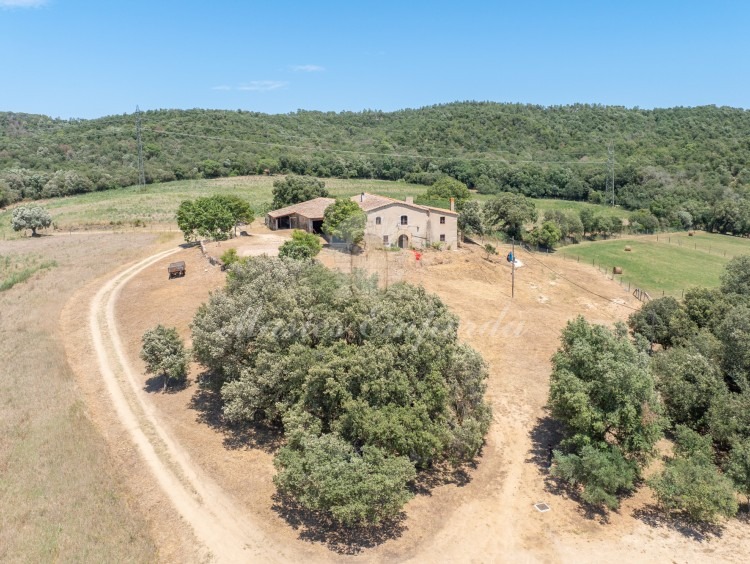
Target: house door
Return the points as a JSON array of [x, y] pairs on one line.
[[403, 241]]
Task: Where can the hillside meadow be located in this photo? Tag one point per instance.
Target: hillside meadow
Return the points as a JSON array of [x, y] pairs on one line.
[[663, 264], [154, 206]]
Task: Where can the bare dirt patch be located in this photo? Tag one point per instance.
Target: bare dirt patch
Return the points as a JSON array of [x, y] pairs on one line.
[[486, 515]]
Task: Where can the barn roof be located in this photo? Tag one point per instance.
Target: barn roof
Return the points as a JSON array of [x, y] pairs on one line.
[[311, 209]]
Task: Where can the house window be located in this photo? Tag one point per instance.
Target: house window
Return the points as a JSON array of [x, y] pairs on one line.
[[385, 239], [442, 220], [442, 237], [377, 221], [404, 220]]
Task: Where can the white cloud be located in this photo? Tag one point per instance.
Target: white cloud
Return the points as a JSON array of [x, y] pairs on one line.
[[22, 3], [221, 87], [308, 68], [263, 85]]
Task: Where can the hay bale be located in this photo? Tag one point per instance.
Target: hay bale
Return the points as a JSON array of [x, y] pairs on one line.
[[691, 233], [628, 248], [617, 270]]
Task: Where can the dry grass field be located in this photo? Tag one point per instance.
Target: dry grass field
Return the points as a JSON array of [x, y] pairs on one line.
[[62, 498]]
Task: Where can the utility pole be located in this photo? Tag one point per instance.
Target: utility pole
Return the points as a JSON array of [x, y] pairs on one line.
[[141, 172], [513, 269], [611, 171]]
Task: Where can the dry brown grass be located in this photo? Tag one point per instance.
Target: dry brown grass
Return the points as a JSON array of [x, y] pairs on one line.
[[62, 499]]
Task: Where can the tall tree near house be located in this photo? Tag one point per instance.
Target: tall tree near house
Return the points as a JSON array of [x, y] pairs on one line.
[[470, 220], [210, 217], [295, 189], [446, 188], [509, 212], [345, 221], [239, 209]]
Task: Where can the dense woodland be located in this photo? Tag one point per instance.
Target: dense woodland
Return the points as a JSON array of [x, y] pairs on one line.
[[689, 160]]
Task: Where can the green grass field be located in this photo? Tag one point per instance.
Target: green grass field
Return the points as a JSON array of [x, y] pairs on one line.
[[155, 205], [668, 263]]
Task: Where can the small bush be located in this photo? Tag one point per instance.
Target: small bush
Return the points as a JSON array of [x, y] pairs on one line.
[[302, 246], [230, 256]]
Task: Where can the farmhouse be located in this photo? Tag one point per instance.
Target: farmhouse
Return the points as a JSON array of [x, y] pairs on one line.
[[390, 222]]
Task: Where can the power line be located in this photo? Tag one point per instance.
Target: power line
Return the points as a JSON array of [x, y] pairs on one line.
[[581, 287]]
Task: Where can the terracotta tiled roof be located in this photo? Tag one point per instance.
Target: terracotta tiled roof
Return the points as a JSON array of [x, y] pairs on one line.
[[369, 202], [311, 209]]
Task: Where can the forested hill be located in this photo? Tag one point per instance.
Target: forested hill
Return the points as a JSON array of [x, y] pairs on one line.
[[663, 156]]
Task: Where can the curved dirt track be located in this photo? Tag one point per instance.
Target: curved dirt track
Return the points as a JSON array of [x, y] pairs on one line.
[[489, 519], [215, 520]]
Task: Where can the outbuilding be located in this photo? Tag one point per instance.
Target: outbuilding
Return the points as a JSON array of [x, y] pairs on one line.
[[307, 216]]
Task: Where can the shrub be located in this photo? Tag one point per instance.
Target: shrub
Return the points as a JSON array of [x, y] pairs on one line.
[[229, 257], [302, 246]]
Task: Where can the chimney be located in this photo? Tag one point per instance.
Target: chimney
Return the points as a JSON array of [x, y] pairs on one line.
[[409, 199], [453, 204], [362, 197]]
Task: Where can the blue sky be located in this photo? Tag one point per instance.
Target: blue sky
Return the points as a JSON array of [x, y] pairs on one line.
[[75, 58]]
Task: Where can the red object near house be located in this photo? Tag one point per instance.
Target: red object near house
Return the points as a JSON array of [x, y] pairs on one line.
[[417, 256]]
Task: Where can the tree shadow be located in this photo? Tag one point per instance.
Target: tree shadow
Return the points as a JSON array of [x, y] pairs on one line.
[[443, 474], [545, 437], [314, 526], [656, 518], [155, 384], [207, 403]]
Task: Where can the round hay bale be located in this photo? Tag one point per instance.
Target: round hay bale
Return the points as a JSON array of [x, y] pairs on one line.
[[691, 233], [628, 248], [617, 270]]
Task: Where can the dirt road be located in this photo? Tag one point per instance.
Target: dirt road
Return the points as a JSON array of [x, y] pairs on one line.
[[224, 494], [226, 532]]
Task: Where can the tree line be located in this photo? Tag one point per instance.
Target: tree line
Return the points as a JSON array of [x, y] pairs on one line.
[[682, 370], [670, 162]]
